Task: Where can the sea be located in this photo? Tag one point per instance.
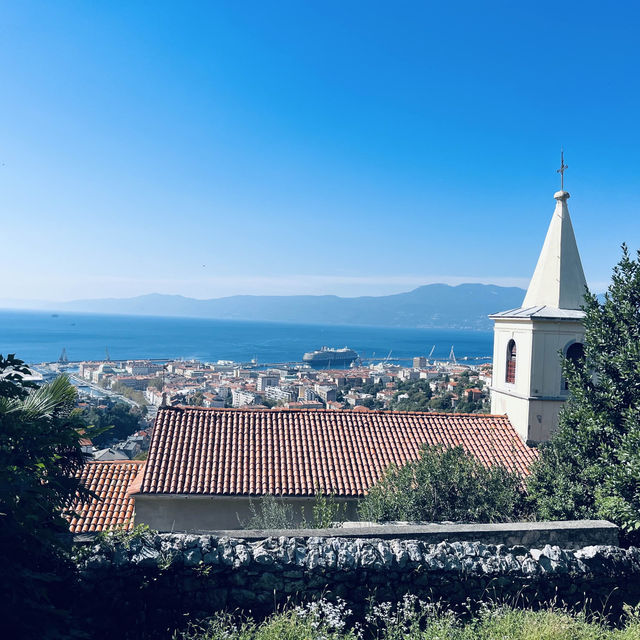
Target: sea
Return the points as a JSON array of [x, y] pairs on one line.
[[38, 336]]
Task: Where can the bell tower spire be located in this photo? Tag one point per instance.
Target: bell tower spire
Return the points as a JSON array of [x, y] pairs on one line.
[[558, 280], [527, 380]]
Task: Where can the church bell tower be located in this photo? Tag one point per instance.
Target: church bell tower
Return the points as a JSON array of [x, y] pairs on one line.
[[527, 380]]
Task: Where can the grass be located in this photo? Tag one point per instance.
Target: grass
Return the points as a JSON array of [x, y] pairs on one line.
[[413, 620]]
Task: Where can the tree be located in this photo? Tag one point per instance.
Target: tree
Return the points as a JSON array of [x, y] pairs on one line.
[[418, 392], [197, 399], [443, 403], [444, 484], [113, 422], [40, 457], [591, 466], [129, 392]]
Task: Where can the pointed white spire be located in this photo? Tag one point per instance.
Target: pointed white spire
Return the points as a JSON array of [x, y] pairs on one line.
[[558, 280]]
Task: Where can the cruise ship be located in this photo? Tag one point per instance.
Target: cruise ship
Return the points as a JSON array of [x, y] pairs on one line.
[[328, 358]]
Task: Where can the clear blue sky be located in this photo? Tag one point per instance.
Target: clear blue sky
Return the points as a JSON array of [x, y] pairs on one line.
[[338, 147]]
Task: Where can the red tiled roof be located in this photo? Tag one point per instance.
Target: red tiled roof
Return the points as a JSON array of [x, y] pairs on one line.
[[238, 452], [114, 508]]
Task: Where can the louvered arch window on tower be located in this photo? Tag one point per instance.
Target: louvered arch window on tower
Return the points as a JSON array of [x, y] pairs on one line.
[[510, 375], [575, 353]]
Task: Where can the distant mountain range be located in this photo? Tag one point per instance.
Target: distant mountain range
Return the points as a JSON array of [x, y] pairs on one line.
[[465, 306]]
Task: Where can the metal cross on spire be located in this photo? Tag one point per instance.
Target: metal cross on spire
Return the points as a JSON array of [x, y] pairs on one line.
[[562, 169]]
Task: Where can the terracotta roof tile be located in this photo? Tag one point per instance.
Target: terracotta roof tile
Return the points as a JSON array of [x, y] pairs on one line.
[[240, 452], [110, 481]]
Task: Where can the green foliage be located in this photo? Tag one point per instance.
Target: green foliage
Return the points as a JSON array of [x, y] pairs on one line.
[[591, 466], [288, 625], [469, 406], [156, 383], [141, 534], [372, 403], [12, 384], [412, 619], [419, 393], [133, 394], [40, 457], [115, 422], [326, 511], [197, 399], [442, 403], [372, 388], [271, 512], [444, 484]]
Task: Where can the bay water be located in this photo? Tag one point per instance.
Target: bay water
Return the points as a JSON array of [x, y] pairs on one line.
[[38, 336]]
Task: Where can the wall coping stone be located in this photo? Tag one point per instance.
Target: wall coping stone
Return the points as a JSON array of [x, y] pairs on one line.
[[583, 532]]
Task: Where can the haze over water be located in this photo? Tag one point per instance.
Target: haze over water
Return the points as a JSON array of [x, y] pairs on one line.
[[40, 336]]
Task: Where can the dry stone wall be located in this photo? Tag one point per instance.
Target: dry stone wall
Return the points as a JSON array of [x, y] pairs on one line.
[[156, 579]]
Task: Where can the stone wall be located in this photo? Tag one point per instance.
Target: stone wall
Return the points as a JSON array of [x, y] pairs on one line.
[[568, 534], [155, 581]]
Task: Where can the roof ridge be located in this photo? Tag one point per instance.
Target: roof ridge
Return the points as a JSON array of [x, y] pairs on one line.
[[137, 462], [329, 411]]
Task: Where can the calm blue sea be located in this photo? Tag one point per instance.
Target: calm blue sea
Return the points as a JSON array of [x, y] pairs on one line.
[[41, 336]]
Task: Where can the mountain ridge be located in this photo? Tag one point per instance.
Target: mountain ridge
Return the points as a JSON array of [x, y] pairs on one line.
[[463, 306]]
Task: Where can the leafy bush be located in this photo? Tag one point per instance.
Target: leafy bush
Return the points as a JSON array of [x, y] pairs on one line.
[[591, 466], [444, 484]]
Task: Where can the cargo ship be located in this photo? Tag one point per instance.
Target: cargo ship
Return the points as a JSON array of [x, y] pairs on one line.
[[328, 358]]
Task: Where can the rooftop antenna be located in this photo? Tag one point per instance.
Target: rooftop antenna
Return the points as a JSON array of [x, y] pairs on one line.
[[562, 169]]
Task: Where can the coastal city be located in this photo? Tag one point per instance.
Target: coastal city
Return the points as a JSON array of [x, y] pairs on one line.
[[344, 383]]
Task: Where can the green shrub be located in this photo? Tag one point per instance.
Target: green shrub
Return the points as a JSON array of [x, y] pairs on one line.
[[444, 484]]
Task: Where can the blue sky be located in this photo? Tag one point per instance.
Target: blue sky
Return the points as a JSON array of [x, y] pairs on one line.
[[337, 147]]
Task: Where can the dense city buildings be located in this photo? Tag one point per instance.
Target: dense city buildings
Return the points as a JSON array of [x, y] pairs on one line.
[[426, 385]]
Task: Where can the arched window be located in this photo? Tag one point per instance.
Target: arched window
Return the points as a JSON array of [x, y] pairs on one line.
[[575, 353], [510, 375]]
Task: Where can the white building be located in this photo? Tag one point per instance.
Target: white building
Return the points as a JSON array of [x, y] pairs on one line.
[[241, 398], [527, 380], [281, 394], [265, 380]]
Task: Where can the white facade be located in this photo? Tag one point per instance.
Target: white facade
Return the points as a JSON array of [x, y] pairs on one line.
[[531, 392], [534, 399]]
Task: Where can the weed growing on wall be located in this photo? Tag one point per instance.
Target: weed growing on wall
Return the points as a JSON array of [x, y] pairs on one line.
[[270, 512], [273, 512]]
